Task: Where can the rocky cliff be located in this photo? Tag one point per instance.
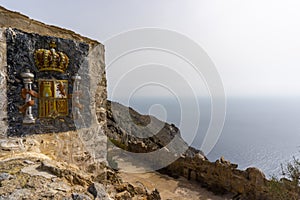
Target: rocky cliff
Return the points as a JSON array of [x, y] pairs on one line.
[[221, 176], [58, 166]]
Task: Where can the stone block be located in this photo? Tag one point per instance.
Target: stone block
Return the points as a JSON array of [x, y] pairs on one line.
[[53, 88], [66, 94]]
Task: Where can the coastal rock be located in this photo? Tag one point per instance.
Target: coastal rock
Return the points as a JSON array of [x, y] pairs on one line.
[[223, 161], [200, 156], [256, 176], [125, 126], [222, 177]]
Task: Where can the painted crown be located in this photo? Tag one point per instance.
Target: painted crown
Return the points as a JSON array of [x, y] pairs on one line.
[[51, 60]]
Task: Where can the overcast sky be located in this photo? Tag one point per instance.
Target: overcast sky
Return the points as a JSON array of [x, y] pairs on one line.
[[254, 44]]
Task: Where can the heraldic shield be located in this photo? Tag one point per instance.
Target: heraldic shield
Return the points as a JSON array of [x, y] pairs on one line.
[[44, 83], [53, 98]]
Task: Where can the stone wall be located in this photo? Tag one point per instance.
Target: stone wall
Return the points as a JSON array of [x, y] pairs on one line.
[[3, 85], [222, 177]]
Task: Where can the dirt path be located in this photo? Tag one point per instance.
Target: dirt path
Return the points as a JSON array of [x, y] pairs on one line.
[[169, 188]]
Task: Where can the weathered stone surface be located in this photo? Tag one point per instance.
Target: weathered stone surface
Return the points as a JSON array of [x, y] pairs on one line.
[[21, 180], [73, 175], [97, 85], [18, 194], [125, 195], [222, 177], [256, 176], [9, 145], [223, 161], [3, 84], [98, 191], [5, 176], [76, 196], [22, 22], [66, 158], [33, 171], [84, 148], [148, 142], [95, 141], [28, 184]]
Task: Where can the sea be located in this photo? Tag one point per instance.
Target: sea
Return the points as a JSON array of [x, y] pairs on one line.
[[258, 132]]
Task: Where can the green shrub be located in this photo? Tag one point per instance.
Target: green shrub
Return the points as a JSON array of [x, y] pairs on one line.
[[292, 171], [280, 190], [286, 188]]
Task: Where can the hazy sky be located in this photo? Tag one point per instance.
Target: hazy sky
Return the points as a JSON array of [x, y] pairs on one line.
[[254, 44]]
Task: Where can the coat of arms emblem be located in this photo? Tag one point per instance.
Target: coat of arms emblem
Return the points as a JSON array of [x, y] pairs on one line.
[[53, 95]]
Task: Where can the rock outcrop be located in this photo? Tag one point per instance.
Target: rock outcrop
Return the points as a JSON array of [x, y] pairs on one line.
[[37, 167], [146, 141], [222, 177]]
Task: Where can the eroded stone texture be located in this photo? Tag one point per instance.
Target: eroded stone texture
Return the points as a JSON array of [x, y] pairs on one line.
[[97, 85], [222, 177], [95, 142], [3, 72], [24, 23], [58, 166]]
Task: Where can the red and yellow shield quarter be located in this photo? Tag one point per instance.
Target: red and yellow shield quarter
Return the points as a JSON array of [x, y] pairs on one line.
[[53, 98]]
